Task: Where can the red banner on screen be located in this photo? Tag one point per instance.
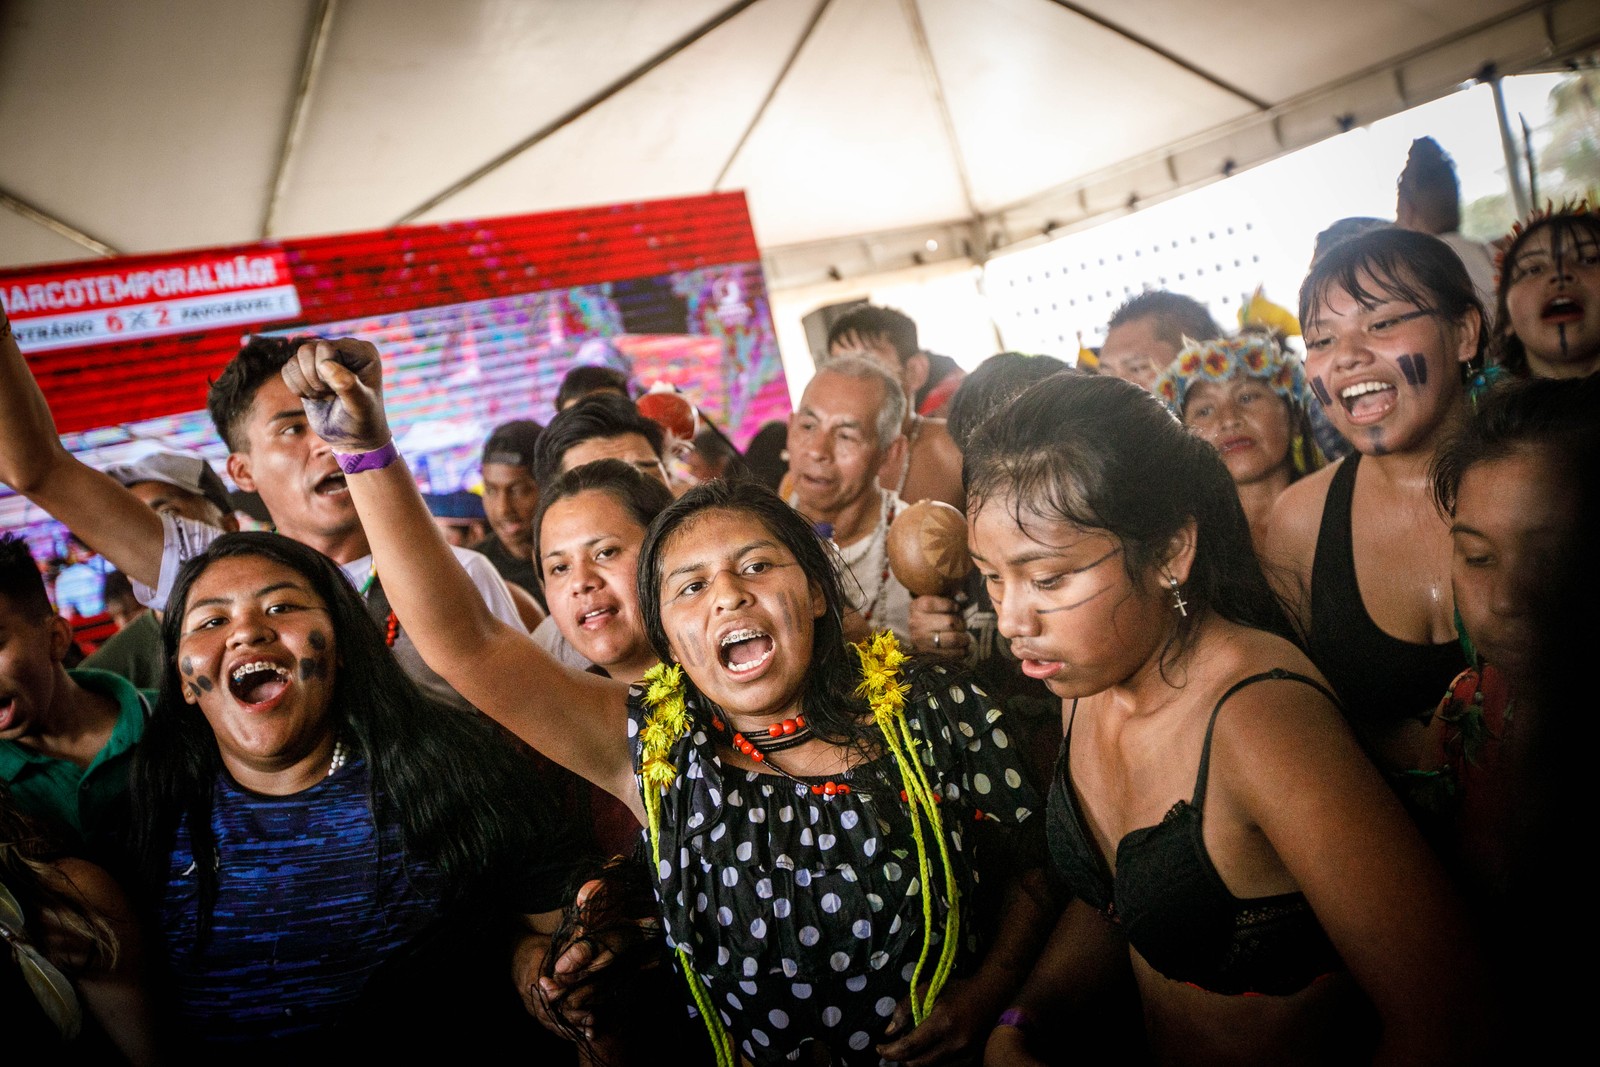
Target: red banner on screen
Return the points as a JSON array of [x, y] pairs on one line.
[[94, 380]]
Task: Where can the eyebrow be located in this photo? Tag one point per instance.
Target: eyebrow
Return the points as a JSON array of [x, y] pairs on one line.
[[698, 564], [288, 413], [218, 601], [590, 543]]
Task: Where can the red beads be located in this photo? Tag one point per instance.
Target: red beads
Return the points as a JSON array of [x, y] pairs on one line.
[[786, 727], [830, 789]]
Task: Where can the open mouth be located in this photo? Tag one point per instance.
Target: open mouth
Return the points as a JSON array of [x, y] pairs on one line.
[[593, 620], [1234, 444], [1562, 309], [8, 706], [1367, 401], [257, 682], [743, 651], [331, 485]]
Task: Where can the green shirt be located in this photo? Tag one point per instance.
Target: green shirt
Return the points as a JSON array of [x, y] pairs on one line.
[[89, 801], [133, 652]]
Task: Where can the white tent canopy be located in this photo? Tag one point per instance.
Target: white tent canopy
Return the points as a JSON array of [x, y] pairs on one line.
[[868, 134]]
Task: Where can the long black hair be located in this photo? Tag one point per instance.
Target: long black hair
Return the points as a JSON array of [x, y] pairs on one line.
[[463, 797], [1102, 454], [828, 698]]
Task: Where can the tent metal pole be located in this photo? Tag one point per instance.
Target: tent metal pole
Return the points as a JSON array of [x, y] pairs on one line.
[[55, 225], [310, 67], [783, 73], [583, 107], [1508, 144]]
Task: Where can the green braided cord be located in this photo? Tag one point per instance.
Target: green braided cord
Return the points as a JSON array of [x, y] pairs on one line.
[[702, 996]]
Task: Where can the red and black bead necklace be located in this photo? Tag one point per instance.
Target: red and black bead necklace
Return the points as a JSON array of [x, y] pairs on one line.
[[779, 736]]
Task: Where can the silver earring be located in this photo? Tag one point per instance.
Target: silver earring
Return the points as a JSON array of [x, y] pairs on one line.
[[784, 455], [1180, 605]]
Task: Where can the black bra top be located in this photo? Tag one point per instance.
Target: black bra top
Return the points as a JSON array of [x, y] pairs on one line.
[[1173, 905], [1381, 680]]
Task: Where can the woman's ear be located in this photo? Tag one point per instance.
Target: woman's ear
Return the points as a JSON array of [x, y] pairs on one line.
[[819, 602], [1467, 329], [1179, 557]]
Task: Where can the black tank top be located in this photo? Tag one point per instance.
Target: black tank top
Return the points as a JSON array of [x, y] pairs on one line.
[[1381, 680], [1173, 905]]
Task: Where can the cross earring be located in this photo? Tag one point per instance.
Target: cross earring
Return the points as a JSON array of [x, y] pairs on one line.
[[1180, 605]]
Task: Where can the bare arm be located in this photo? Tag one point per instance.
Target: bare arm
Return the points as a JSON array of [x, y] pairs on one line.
[[1293, 767], [576, 719], [103, 514], [1084, 961], [114, 995], [1290, 545]]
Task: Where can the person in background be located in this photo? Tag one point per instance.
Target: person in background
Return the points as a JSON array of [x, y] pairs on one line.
[[174, 483], [123, 607], [583, 381], [459, 516], [272, 452], [1146, 332], [1362, 556], [930, 468], [67, 738], [510, 500], [1246, 397], [1342, 230], [713, 456], [72, 973], [1512, 483], [847, 429], [944, 378], [1547, 322], [1428, 200], [767, 454], [604, 426]]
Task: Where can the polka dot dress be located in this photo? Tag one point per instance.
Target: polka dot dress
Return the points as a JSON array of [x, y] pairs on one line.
[[803, 913]]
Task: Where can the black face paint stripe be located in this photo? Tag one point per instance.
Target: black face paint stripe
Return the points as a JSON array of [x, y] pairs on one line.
[[1322, 393]]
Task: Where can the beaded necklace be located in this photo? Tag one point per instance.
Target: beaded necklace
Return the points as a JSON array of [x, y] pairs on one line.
[[881, 659], [391, 625], [876, 550]]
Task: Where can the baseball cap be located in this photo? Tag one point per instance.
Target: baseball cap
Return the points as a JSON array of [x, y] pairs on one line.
[[187, 472], [513, 443]]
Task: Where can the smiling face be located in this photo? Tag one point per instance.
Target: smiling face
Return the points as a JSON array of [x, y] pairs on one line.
[[1063, 598], [1389, 375], [1510, 523], [739, 612], [257, 656], [510, 501], [297, 476], [1134, 352], [1552, 299], [1246, 422], [590, 559]]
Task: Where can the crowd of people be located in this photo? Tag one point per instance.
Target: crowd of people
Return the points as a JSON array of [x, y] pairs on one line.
[[1246, 738]]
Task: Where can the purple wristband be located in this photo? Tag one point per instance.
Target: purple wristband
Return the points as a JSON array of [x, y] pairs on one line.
[[376, 460], [1016, 1017]]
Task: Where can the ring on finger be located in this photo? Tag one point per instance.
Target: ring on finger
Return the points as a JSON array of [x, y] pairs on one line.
[[936, 639]]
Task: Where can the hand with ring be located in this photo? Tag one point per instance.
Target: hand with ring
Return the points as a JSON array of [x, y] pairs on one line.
[[938, 627]]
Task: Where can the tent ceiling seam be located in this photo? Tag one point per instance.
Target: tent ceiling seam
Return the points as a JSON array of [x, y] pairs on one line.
[[783, 73], [310, 67], [919, 36], [576, 112], [1171, 57], [55, 225]]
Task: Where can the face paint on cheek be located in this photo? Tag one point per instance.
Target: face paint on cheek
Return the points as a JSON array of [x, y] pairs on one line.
[[1415, 369], [318, 640], [1321, 390], [186, 665], [312, 668], [692, 647], [204, 683], [192, 689]]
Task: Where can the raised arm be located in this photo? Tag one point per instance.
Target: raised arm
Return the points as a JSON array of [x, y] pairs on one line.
[[576, 719], [1286, 758], [102, 513]]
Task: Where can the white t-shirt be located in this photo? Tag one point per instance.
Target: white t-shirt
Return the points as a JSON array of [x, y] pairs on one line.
[[871, 585]]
